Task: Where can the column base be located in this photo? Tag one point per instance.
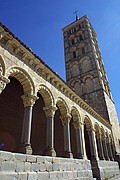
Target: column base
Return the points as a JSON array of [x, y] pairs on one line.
[[68, 154], [49, 152], [25, 148]]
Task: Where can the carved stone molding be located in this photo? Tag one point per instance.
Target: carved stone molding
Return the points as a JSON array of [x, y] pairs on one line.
[[65, 119], [3, 82], [50, 111], [28, 100]]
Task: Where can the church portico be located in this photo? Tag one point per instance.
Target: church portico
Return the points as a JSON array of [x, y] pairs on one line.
[[40, 115]]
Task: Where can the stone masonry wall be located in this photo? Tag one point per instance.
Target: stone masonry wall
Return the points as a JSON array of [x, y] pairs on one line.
[[15, 166]]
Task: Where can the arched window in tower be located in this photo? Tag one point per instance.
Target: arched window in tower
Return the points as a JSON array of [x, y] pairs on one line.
[[80, 37], [74, 54], [74, 69], [83, 50], [85, 64], [73, 42], [89, 85], [77, 87]]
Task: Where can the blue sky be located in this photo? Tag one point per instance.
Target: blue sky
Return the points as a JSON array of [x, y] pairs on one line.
[[38, 24]]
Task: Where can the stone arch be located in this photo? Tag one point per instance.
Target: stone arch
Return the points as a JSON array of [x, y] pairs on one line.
[[47, 95], [85, 64], [88, 123], [62, 106], [88, 83], [23, 77], [97, 127], [102, 131], [2, 66], [74, 69], [75, 114]]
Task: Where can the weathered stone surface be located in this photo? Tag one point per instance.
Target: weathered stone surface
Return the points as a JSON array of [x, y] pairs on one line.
[[43, 176], [32, 175], [22, 176]]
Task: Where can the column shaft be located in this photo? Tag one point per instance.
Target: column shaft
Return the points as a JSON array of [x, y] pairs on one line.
[[79, 143], [50, 138], [26, 131], [93, 146], [100, 148], [105, 149], [67, 144]]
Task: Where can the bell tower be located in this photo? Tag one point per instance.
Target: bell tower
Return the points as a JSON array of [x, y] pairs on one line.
[[85, 72]]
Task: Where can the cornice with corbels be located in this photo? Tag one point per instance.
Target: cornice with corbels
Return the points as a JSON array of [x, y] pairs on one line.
[[35, 63]]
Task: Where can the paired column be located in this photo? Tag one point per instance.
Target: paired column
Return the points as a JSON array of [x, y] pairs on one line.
[[100, 146], [109, 149], [105, 150], [49, 112], [28, 101], [3, 82], [67, 145], [93, 144], [79, 140]]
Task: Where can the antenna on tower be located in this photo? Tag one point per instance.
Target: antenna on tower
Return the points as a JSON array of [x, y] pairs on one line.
[[76, 15]]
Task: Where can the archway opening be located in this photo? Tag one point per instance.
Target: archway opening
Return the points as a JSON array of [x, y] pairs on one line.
[[38, 134], [11, 116]]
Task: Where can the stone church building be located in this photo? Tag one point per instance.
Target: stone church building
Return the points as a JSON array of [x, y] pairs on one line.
[[52, 129]]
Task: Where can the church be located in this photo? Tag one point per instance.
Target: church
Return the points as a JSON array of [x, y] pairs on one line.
[[52, 129]]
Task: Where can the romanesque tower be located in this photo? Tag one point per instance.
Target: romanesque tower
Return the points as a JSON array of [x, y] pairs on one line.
[[85, 72]]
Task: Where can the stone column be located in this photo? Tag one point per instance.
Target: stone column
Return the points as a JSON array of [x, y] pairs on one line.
[[49, 112], [83, 138], [100, 146], [78, 128], [109, 149], [105, 150], [28, 101], [113, 148], [66, 128], [3, 82], [93, 145]]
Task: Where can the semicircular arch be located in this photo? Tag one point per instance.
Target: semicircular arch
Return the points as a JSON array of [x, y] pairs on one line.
[[62, 106], [23, 77], [75, 114], [47, 95]]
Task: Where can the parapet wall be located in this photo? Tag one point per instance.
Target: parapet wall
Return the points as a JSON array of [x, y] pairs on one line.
[[15, 166]]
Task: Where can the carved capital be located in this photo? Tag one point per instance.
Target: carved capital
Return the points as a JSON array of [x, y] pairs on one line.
[[50, 111], [65, 119], [28, 99], [3, 82], [77, 124]]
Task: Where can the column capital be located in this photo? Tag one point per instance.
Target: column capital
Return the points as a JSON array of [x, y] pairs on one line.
[[3, 82], [77, 124], [49, 111], [29, 99], [65, 119]]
